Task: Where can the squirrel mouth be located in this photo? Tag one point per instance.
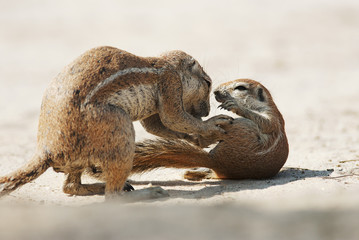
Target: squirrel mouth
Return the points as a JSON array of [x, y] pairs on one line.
[[218, 99], [221, 96]]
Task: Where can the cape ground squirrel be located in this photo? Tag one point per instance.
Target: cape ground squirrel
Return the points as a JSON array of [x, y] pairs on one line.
[[88, 109], [254, 147]]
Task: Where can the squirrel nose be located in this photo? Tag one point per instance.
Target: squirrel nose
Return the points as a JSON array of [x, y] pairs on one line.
[[218, 95]]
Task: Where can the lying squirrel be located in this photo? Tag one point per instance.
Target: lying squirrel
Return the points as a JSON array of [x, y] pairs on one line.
[[88, 109], [254, 147]]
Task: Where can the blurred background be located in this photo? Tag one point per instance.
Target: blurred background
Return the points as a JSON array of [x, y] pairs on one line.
[[305, 52], [299, 49]]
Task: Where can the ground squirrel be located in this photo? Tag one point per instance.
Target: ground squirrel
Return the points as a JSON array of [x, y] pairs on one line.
[[88, 109], [254, 147]]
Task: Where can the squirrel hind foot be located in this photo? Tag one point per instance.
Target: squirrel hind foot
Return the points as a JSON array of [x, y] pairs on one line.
[[199, 174]]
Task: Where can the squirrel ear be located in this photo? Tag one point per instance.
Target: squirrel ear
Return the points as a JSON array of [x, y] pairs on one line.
[[261, 95]]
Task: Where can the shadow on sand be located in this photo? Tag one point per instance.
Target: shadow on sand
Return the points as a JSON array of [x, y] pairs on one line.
[[216, 187]]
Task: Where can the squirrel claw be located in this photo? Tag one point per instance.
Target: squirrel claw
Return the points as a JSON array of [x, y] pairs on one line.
[[228, 105], [128, 187]]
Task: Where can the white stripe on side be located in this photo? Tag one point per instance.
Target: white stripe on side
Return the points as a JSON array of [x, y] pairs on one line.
[[114, 76], [269, 149]]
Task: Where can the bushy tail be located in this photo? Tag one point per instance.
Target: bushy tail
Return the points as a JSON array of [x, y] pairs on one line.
[[33, 169], [151, 154]]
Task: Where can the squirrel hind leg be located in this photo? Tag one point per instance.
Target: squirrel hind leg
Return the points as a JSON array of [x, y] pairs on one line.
[[96, 172], [73, 186], [199, 174]]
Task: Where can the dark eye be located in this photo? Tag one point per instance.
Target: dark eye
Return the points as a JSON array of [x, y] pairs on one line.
[[241, 88]]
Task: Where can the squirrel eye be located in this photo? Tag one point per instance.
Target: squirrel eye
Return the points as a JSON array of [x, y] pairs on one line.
[[261, 95], [241, 88]]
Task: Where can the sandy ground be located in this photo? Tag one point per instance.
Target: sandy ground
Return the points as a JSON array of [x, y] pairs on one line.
[[306, 52]]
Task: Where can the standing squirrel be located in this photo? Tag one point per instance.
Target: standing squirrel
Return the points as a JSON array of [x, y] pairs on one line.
[[254, 147], [88, 109]]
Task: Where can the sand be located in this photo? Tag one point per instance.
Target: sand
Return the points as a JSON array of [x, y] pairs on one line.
[[305, 52]]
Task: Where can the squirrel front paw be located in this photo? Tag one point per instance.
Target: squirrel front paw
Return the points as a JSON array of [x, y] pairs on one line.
[[220, 120], [230, 105], [214, 125], [214, 131]]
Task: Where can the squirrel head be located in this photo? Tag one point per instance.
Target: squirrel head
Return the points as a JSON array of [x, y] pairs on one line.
[[187, 65], [196, 84], [247, 93]]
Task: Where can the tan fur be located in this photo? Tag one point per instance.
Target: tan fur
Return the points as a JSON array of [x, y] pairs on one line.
[[254, 147], [88, 109]]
